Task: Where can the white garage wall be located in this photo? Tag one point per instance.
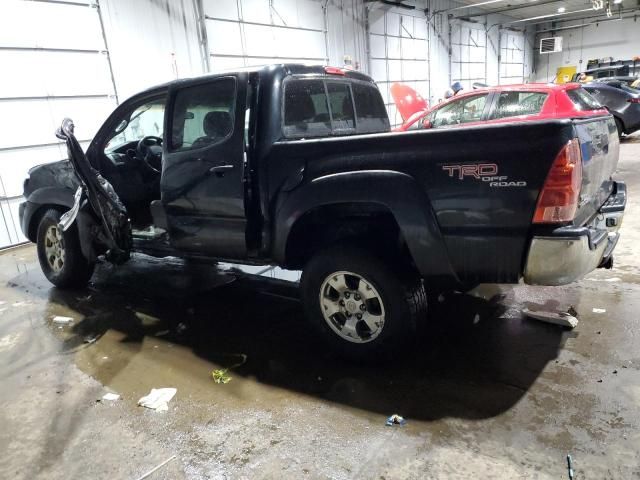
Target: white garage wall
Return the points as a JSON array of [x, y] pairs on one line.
[[151, 42], [56, 68], [512, 53], [468, 53], [398, 52], [621, 40]]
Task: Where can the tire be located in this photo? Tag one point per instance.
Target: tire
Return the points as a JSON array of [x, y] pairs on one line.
[[398, 299], [62, 263], [619, 126]]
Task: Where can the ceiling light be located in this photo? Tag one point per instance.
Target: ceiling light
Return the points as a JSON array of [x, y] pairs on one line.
[[617, 1], [561, 10]]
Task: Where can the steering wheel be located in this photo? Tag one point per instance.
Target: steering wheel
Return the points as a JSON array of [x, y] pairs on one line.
[[149, 152]]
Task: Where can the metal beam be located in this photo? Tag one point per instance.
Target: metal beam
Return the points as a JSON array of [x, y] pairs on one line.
[[588, 17], [46, 49], [55, 97], [74, 4], [508, 9], [265, 57], [245, 22], [36, 145]]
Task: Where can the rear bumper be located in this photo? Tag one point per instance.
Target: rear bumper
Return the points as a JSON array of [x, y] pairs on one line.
[[569, 253]]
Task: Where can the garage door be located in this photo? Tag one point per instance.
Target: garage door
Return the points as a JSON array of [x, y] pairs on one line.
[[468, 53], [244, 33], [512, 69], [59, 68], [398, 52]]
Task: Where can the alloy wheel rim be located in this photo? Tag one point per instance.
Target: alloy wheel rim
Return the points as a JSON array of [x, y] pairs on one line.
[[352, 307], [54, 248]]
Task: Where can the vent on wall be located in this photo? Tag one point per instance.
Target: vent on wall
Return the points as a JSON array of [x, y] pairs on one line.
[[551, 45]]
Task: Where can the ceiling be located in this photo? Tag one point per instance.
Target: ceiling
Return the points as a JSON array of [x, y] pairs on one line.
[[527, 9]]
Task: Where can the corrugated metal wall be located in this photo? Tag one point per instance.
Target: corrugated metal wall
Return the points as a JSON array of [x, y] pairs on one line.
[[55, 64], [398, 52]]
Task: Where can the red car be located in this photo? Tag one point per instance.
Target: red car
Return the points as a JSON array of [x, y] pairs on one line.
[[505, 103]]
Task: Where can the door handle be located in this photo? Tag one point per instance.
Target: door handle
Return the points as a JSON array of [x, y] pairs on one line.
[[220, 170]]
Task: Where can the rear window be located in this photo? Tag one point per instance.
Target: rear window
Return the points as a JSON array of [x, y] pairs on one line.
[[511, 104], [371, 113], [317, 108], [583, 99]]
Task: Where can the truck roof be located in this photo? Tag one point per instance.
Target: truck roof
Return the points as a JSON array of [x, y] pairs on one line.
[[274, 70]]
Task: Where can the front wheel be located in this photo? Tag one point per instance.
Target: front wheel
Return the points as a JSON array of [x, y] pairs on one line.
[[363, 309], [59, 253]]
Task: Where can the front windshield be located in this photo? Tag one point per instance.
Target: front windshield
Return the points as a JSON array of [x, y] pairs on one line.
[[145, 120]]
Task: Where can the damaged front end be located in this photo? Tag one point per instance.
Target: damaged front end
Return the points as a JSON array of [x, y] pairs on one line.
[[103, 223]]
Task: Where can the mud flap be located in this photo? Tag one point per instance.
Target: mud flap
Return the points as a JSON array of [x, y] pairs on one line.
[[109, 230]]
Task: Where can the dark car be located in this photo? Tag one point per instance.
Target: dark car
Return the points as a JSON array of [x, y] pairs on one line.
[[294, 166], [621, 100]]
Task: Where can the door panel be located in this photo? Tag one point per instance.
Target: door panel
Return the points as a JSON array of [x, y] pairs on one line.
[[203, 166]]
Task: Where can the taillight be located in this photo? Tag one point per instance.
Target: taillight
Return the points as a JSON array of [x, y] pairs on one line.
[[634, 100], [558, 200]]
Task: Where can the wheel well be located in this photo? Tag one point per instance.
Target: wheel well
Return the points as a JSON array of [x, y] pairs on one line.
[[369, 226], [37, 216]]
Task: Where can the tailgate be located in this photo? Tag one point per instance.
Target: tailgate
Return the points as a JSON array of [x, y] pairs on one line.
[[599, 146]]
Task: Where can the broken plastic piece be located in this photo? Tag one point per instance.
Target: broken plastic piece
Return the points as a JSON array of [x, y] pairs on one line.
[[62, 320], [158, 399], [145, 475], [110, 396], [563, 319], [395, 419]]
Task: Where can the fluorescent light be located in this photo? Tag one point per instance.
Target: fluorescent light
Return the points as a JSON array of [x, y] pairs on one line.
[[487, 2], [561, 10], [617, 1]]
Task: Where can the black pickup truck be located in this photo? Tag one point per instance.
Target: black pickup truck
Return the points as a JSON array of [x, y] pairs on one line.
[[295, 166]]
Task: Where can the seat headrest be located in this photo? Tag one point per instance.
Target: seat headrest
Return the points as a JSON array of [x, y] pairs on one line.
[[217, 124]]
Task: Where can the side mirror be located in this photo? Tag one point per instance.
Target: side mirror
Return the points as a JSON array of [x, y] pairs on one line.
[[66, 129], [426, 123]]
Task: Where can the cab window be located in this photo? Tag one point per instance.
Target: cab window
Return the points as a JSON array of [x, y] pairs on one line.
[[203, 115], [317, 108]]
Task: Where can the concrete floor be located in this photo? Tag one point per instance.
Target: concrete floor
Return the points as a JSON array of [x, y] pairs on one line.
[[487, 393]]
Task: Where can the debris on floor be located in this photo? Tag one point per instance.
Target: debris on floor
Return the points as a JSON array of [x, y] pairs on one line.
[[395, 419], [145, 475], [221, 376], [158, 399], [599, 310], [62, 320], [564, 319], [110, 396], [570, 467]]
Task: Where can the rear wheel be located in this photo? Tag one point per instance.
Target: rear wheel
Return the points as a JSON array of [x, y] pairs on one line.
[[620, 127], [363, 309], [59, 253]]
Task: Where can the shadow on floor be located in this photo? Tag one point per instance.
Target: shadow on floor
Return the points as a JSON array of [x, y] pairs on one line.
[[469, 359]]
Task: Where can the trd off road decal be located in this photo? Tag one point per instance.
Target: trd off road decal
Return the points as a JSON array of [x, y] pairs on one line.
[[485, 172]]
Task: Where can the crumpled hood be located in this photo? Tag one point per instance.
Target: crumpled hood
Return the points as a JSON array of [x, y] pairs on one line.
[[407, 100]]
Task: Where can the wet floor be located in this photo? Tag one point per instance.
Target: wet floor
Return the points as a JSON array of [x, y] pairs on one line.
[[486, 392]]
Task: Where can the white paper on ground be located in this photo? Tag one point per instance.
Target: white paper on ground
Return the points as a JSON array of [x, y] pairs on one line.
[[158, 399], [599, 310], [110, 396], [557, 318], [58, 319]]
